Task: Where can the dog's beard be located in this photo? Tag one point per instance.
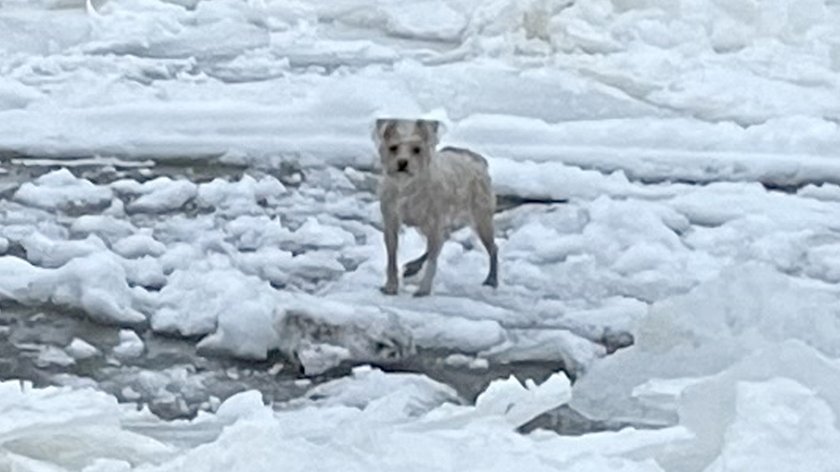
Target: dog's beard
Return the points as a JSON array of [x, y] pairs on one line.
[[400, 174]]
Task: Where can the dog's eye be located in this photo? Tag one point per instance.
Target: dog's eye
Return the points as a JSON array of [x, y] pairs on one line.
[[393, 148], [416, 150]]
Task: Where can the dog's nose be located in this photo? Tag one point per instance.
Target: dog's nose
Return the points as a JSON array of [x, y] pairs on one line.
[[402, 165]]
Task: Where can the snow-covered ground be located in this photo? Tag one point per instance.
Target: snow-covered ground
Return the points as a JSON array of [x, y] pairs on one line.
[[669, 171]]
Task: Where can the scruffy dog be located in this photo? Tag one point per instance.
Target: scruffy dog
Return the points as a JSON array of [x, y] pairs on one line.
[[435, 191]]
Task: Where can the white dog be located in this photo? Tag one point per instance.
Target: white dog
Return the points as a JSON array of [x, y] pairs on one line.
[[435, 191]]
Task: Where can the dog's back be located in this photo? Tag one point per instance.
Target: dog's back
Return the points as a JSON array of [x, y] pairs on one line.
[[475, 157], [466, 176]]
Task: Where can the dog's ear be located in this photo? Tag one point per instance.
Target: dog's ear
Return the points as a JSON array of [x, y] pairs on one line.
[[384, 129], [428, 129]]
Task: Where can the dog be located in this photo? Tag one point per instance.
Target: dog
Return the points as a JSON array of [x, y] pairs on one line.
[[436, 192]]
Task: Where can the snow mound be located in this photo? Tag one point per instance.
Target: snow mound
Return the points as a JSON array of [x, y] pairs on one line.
[[159, 195], [406, 395], [95, 284], [320, 337], [61, 190], [41, 429], [749, 307]]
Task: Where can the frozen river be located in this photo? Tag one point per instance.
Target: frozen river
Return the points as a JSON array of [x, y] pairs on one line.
[[192, 250]]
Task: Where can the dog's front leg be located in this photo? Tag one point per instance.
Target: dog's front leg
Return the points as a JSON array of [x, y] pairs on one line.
[[434, 243], [392, 226]]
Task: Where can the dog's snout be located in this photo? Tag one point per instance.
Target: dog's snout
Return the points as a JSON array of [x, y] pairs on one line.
[[402, 165]]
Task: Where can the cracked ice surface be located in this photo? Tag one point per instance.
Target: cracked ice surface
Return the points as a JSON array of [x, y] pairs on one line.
[[673, 179]]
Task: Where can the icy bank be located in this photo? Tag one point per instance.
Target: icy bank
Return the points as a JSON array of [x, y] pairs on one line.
[[660, 90], [387, 420]]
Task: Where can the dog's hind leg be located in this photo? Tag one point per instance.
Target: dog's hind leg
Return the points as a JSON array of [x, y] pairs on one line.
[[484, 229], [433, 246], [411, 268]]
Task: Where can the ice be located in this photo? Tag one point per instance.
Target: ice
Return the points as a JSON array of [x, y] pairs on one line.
[[109, 228], [94, 284], [460, 360], [620, 111], [461, 437], [62, 190], [130, 344], [80, 349], [518, 404], [158, 195], [393, 417], [800, 432], [139, 245], [45, 252], [668, 177], [747, 308], [13, 94], [575, 352], [322, 335], [54, 355], [415, 395], [193, 301], [742, 420], [44, 429], [238, 197]]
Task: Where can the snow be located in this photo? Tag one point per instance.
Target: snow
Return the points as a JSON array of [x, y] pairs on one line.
[[747, 309], [160, 194], [672, 167], [130, 344], [60, 189], [95, 284], [80, 349], [368, 388], [801, 431], [54, 355], [65, 426], [139, 245]]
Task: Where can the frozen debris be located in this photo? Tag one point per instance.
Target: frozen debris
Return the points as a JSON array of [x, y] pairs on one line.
[[321, 336], [241, 197], [80, 349], [51, 355], [319, 358], [159, 195], [49, 417], [404, 395], [130, 394], [575, 352], [130, 344], [461, 360], [139, 245], [46, 252], [110, 228], [61, 190], [504, 402], [746, 308], [236, 310], [95, 284]]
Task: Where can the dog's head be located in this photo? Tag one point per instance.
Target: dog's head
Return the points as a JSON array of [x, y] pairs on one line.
[[405, 146]]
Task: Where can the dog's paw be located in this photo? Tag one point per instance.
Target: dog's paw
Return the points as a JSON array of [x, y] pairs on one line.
[[422, 293], [491, 282], [388, 289]]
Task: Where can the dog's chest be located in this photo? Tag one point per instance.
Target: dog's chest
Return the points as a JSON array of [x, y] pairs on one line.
[[415, 210], [431, 210]]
